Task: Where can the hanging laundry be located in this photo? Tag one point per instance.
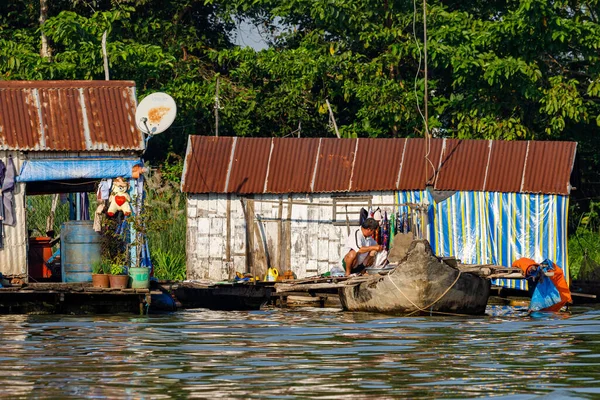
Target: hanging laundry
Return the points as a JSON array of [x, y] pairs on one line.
[[377, 215], [2, 172], [364, 214], [84, 212], [8, 187], [98, 218], [392, 229], [104, 189], [385, 231]]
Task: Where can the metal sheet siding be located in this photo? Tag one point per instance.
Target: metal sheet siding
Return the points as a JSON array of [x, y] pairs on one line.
[[13, 256], [383, 156], [292, 165], [249, 165], [505, 169], [334, 165], [463, 164], [68, 116], [416, 171], [207, 164], [548, 167]]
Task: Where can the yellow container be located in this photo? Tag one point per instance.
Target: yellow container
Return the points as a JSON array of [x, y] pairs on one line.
[[271, 275]]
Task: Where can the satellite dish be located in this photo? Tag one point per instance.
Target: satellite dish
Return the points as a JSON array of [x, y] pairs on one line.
[[155, 113]]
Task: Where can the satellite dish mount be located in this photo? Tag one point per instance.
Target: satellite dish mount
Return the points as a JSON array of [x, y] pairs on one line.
[[155, 114]]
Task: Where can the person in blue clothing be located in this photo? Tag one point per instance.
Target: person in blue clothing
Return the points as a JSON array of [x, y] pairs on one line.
[[360, 248]]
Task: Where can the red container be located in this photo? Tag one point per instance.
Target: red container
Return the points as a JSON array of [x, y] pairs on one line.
[[39, 252]]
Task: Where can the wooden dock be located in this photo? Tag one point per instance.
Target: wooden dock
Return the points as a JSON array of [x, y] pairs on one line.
[[73, 298]]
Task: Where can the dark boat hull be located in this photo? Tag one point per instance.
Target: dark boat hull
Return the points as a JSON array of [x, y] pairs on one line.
[[223, 297], [420, 284]]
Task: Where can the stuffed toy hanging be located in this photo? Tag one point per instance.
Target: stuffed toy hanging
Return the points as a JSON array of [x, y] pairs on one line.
[[119, 198]]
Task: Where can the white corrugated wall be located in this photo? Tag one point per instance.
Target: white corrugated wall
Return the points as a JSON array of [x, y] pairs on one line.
[[13, 256]]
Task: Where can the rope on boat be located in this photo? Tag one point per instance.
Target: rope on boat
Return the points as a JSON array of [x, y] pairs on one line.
[[432, 304]]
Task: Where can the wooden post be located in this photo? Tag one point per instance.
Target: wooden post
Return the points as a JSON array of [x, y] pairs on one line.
[[45, 49], [278, 260], [228, 227], [250, 236], [105, 56], [217, 106], [332, 118], [287, 245]]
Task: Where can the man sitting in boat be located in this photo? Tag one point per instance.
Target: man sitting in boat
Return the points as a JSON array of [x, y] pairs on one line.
[[360, 248]]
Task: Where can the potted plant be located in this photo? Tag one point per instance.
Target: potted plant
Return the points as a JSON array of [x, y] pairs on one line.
[[118, 272], [100, 271]]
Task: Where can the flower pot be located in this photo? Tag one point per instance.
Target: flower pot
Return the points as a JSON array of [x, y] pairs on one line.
[[100, 280], [118, 281], [140, 277]]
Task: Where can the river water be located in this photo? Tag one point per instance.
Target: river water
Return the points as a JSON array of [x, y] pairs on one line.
[[300, 353]]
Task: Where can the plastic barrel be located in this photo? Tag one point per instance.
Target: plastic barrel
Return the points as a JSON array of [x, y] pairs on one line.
[[80, 247], [140, 277]]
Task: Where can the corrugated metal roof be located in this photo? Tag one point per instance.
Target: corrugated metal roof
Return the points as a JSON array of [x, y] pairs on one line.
[[417, 170], [463, 164], [369, 155], [249, 165], [506, 166], [68, 116], [292, 165], [334, 165], [305, 165], [206, 164], [546, 167]]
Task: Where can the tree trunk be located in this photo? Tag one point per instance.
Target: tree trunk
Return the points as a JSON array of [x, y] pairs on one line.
[[45, 50]]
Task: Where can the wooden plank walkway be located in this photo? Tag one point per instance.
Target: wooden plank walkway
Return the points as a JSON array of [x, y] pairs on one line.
[[72, 298]]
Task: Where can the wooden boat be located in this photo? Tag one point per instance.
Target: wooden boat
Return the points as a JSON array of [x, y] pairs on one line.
[[226, 296], [421, 283]]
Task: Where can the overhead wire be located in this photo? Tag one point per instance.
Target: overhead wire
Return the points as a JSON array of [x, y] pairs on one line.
[[423, 117]]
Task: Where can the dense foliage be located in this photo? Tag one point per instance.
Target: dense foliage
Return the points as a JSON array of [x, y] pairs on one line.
[[499, 69]]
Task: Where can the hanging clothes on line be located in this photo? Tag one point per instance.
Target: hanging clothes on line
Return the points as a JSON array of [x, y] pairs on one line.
[[8, 187], [385, 231], [364, 214], [2, 172]]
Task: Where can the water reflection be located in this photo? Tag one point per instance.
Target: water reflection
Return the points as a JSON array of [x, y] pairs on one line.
[[301, 353]]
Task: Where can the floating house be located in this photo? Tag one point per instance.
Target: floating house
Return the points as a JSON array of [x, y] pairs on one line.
[[289, 203], [59, 137]]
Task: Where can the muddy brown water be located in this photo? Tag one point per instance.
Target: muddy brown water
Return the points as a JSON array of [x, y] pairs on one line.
[[302, 353]]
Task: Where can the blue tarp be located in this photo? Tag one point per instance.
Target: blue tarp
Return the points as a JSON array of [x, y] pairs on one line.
[[85, 168]]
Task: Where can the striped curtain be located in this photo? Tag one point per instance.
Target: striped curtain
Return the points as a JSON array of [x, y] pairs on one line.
[[497, 228]]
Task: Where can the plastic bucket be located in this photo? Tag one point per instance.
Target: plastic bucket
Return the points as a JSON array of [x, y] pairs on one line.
[[80, 247], [139, 277]]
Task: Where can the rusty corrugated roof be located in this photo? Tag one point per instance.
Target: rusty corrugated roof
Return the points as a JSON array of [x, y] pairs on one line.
[[292, 165], [463, 164], [546, 166], [505, 167], [68, 116], [416, 170], [206, 164], [369, 155], [249, 165], [334, 165]]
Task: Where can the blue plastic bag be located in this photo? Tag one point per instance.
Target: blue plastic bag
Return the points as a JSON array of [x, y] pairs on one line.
[[544, 295]]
